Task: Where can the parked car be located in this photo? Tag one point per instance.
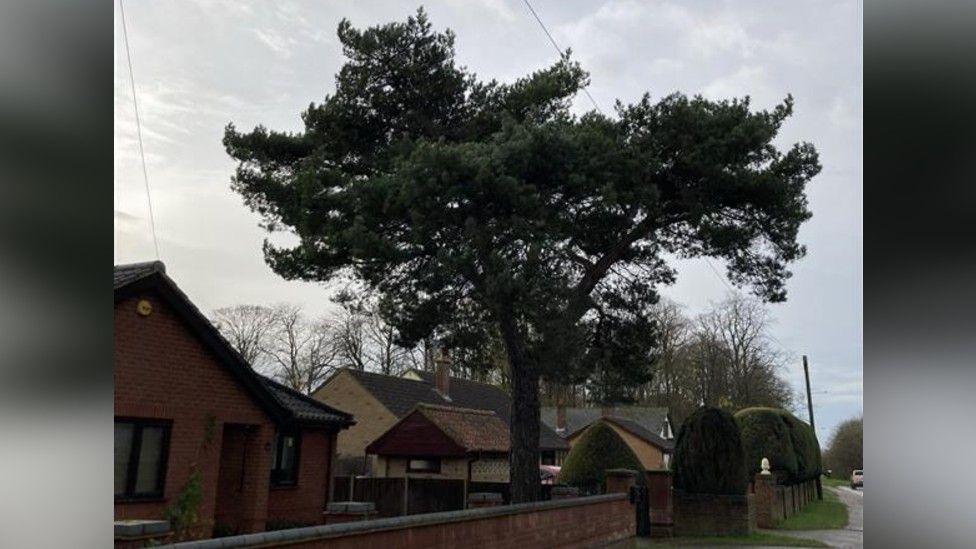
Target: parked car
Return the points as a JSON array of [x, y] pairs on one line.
[[857, 478], [549, 473]]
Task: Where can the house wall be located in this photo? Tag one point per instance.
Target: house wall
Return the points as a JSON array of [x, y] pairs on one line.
[[304, 502], [162, 371], [372, 418]]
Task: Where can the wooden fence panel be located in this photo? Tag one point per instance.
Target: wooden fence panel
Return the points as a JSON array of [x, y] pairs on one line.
[[386, 493], [433, 495], [340, 490]]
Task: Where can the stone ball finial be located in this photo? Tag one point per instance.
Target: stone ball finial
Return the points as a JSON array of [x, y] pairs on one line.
[[765, 466]]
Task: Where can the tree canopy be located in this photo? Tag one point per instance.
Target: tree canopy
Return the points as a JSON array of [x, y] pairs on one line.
[[488, 205]]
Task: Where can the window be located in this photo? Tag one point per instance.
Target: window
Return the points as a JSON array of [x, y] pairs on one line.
[[548, 457], [284, 464], [426, 465], [141, 448]]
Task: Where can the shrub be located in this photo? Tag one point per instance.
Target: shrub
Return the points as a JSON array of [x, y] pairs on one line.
[[599, 448], [765, 434], [806, 447], [708, 455]]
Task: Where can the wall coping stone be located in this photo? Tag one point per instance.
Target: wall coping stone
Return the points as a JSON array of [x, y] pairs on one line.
[[620, 473], [391, 523], [350, 507]]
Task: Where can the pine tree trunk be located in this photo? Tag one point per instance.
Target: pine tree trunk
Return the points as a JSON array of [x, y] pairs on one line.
[[524, 431], [524, 427]]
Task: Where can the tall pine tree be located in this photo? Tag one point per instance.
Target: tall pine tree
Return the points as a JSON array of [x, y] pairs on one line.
[[484, 204]]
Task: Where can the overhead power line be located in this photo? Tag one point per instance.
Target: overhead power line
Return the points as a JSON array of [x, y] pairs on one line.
[[558, 49], [135, 107]]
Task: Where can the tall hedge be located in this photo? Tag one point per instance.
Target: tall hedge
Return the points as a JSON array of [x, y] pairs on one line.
[[599, 448], [806, 447], [765, 434], [708, 455]]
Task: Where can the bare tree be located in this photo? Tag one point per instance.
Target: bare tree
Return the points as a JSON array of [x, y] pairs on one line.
[[302, 352], [246, 327]]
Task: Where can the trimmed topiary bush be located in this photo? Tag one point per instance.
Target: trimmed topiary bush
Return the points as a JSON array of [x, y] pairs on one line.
[[599, 448], [765, 434], [708, 455], [805, 446]]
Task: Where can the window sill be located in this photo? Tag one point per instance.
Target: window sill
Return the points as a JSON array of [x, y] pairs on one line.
[[289, 486]]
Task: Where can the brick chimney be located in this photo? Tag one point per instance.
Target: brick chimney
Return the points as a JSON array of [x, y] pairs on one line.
[[560, 418], [442, 373]]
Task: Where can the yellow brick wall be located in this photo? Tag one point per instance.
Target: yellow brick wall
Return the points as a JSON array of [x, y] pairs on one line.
[[372, 418]]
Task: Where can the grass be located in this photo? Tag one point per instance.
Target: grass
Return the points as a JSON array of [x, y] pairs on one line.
[[828, 514], [757, 538], [827, 481]]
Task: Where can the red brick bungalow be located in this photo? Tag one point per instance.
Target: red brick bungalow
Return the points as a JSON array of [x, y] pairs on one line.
[[188, 406]]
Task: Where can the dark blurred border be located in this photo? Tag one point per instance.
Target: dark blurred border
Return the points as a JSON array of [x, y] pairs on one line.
[[56, 140], [920, 273]]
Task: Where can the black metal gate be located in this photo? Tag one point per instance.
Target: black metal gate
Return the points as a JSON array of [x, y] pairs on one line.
[[640, 499]]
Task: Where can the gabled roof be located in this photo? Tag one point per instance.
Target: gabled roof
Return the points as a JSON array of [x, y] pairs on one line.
[[475, 430], [443, 431], [283, 405], [648, 417], [400, 395], [639, 431]]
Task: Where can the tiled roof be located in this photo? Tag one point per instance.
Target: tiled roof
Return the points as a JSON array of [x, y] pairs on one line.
[[474, 394], [400, 395], [475, 430], [637, 430], [127, 274], [650, 418], [304, 408]]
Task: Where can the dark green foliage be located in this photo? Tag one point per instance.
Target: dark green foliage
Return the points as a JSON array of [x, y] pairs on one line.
[[598, 449], [845, 452], [805, 446], [491, 206], [708, 455], [765, 434]]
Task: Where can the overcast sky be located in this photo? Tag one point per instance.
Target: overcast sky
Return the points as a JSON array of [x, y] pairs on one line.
[[201, 64]]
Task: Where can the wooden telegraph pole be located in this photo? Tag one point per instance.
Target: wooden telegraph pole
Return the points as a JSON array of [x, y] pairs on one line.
[[806, 374]]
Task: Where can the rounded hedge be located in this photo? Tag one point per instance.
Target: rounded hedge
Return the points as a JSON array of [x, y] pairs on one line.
[[599, 448], [765, 434], [708, 455], [805, 446]]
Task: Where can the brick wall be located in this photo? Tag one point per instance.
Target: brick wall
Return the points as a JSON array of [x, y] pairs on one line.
[[581, 522], [713, 515], [163, 371], [304, 502]]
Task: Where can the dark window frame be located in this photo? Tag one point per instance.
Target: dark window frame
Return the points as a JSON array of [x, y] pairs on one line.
[[132, 467], [411, 469], [282, 478]]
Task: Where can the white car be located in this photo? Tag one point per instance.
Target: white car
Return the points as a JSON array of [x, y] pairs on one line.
[[857, 478]]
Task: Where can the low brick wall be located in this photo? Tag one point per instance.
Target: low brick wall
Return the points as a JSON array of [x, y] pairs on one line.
[[580, 522], [713, 515]]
